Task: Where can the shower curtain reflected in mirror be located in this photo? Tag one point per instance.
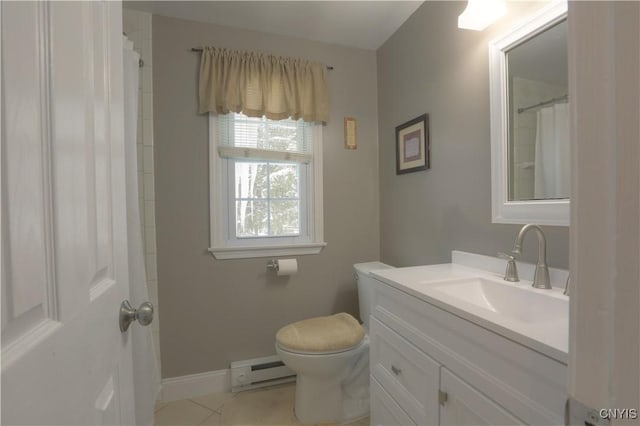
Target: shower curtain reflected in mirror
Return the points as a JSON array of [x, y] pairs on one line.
[[551, 172]]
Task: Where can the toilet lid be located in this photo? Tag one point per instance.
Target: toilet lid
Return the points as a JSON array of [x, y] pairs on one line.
[[321, 334]]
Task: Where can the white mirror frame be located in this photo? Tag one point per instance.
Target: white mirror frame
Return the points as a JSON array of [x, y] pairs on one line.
[[544, 212]]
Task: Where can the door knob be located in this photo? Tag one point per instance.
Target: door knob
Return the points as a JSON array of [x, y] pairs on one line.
[[144, 314]]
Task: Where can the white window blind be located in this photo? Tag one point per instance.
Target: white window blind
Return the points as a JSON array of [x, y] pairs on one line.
[[256, 138]]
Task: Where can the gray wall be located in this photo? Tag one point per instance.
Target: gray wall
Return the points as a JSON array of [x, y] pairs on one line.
[[429, 65], [214, 312]]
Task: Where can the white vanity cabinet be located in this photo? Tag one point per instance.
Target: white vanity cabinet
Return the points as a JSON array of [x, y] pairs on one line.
[[430, 366]]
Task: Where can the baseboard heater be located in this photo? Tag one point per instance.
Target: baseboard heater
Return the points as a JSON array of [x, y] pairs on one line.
[[259, 372]]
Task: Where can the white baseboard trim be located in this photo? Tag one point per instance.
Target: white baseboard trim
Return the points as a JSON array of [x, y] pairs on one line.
[[195, 385]]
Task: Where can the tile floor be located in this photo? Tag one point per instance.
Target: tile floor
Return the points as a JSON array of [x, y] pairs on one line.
[[266, 406]]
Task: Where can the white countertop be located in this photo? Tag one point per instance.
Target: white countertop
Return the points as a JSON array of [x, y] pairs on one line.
[[547, 336]]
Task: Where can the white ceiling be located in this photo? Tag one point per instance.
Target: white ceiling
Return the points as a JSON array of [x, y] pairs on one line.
[[363, 24]]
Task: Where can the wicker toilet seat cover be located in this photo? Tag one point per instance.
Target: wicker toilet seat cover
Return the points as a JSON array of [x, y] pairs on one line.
[[321, 334]]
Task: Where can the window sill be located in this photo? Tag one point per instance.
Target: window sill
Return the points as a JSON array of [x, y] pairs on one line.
[[222, 253]]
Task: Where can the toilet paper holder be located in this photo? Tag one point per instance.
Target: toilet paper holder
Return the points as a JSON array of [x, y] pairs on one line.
[[273, 264], [283, 267]]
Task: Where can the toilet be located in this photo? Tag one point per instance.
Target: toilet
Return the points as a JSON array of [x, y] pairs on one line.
[[331, 358]]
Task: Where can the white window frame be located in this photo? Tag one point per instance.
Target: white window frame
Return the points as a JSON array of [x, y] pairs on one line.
[[224, 244]]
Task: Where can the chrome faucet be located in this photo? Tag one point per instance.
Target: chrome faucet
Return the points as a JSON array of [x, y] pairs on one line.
[[541, 275]]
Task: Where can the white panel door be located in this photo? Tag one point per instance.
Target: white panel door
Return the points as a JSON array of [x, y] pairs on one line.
[[64, 244]]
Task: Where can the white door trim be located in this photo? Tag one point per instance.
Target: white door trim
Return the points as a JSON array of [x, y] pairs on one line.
[[604, 57]]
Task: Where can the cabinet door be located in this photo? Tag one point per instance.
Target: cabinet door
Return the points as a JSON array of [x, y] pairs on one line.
[[464, 405], [384, 410]]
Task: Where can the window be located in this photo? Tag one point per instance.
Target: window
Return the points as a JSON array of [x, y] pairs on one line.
[[266, 187]]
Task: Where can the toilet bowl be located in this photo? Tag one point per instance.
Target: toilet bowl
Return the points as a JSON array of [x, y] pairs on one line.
[[331, 358], [327, 390]]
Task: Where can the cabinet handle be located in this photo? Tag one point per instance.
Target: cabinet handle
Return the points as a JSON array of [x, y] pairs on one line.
[[396, 370], [442, 397]]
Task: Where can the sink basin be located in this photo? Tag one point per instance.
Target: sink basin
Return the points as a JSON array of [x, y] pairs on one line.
[[515, 301]]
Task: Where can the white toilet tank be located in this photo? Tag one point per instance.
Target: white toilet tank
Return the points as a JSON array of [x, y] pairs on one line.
[[365, 282]]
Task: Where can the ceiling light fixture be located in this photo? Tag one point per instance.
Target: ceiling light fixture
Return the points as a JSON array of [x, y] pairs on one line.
[[479, 14]]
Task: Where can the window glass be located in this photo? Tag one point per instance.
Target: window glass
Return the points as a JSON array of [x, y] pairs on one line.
[[267, 199]]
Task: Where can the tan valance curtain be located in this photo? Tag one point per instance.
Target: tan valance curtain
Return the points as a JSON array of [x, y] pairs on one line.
[[257, 84]]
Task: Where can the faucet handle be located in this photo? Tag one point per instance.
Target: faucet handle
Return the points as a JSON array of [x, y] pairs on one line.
[[511, 274], [506, 256]]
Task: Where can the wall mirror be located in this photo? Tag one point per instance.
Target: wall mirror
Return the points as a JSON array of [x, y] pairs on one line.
[[530, 121]]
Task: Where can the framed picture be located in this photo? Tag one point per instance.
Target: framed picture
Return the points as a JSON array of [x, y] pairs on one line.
[[350, 133], [412, 145]]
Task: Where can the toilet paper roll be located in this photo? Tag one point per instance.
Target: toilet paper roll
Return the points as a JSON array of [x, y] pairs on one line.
[[287, 267]]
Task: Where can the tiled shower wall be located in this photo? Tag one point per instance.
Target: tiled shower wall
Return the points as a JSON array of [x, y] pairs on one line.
[[137, 27]]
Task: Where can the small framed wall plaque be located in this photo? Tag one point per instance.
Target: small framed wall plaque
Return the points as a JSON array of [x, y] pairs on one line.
[[350, 133], [412, 145]]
